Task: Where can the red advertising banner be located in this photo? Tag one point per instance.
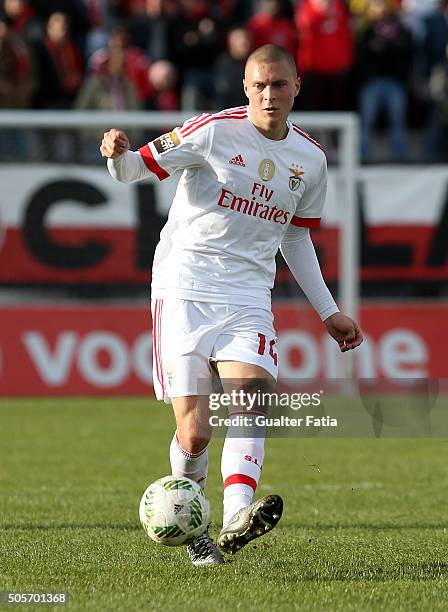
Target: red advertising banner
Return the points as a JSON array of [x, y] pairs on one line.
[[77, 225], [76, 350]]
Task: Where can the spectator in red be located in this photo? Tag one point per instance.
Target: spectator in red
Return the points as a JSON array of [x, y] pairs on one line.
[[59, 65], [77, 14], [163, 76], [136, 63], [325, 55], [273, 24], [22, 19], [108, 91]]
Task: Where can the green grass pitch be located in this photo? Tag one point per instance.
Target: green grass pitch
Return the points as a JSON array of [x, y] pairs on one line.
[[364, 525]]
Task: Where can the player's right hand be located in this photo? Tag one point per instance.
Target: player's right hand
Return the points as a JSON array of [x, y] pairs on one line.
[[114, 143]]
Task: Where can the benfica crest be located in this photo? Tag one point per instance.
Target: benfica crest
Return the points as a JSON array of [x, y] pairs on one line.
[[296, 176]]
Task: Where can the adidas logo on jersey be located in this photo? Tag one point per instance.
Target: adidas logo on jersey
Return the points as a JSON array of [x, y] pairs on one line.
[[237, 161]]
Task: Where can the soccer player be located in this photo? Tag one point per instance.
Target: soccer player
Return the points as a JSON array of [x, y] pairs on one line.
[[252, 183]]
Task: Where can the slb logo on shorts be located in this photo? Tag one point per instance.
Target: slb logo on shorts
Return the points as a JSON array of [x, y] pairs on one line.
[[166, 142]]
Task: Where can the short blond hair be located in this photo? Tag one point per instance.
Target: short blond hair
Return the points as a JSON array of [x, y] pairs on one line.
[[272, 53]]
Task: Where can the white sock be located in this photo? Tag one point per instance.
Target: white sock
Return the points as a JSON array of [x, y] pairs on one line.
[[190, 465], [241, 464]]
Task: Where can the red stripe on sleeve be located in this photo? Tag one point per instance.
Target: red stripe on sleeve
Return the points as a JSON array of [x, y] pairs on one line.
[[304, 222], [151, 163], [192, 128], [195, 123], [240, 479], [308, 137]]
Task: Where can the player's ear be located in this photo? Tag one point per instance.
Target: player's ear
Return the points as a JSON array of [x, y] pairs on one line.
[[245, 88], [298, 84]]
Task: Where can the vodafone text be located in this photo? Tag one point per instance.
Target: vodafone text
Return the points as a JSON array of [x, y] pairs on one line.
[[79, 351], [252, 207]]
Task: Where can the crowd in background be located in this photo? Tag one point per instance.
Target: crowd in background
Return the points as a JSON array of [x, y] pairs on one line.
[[387, 59]]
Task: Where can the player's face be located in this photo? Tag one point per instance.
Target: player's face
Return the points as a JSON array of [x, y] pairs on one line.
[[271, 89]]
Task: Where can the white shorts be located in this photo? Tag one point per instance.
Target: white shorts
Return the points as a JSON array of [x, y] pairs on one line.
[[189, 336]]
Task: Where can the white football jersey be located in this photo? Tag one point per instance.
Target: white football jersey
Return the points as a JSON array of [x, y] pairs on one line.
[[238, 194]]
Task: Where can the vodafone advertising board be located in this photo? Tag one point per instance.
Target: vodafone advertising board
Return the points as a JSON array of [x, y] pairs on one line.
[[108, 350], [75, 225]]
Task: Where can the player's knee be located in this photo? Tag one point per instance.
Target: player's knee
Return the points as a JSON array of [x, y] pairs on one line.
[[258, 385], [261, 389], [193, 442]]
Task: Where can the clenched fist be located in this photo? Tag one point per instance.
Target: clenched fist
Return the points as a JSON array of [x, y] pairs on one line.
[[114, 143]]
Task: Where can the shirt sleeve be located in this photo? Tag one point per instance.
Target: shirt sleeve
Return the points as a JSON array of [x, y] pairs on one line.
[[298, 251], [309, 210], [187, 146], [128, 167]]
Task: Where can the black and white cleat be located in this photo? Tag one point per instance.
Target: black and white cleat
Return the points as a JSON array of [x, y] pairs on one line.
[[250, 523], [202, 551]]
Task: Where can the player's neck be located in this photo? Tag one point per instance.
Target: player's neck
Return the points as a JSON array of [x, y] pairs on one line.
[[275, 132]]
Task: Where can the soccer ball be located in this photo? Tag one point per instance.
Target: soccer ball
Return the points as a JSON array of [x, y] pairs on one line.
[[174, 511]]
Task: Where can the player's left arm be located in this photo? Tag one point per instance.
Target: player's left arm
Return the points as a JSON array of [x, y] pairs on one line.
[[298, 251]]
